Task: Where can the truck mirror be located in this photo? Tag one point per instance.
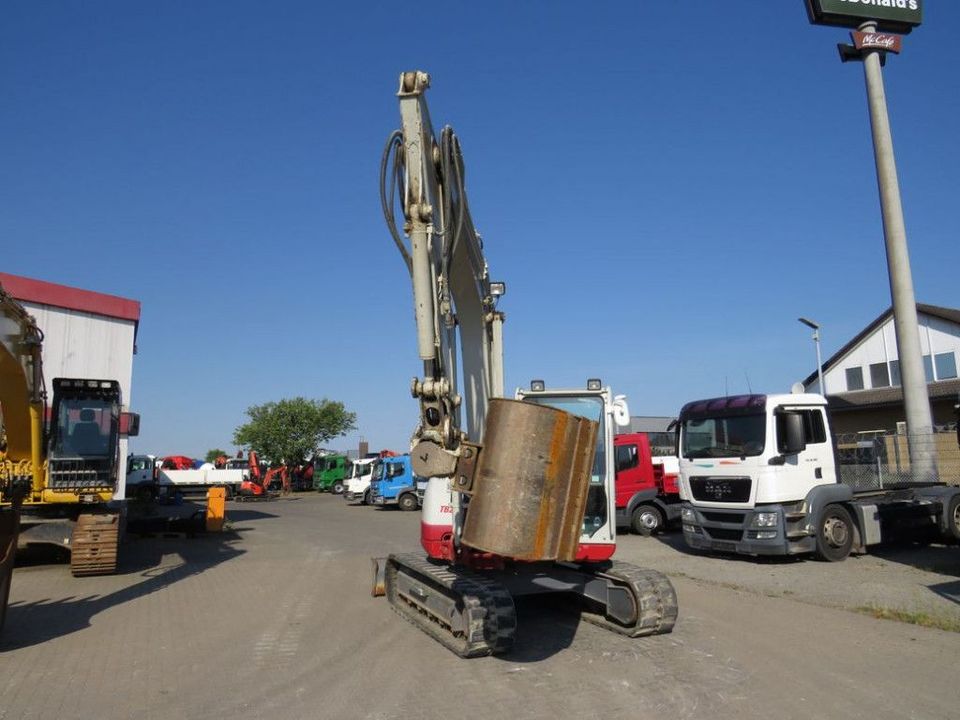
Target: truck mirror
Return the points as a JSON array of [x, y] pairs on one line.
[[621, 413], [790, 434], [129, 424]]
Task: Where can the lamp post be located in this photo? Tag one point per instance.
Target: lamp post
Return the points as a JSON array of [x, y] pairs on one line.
[[816, 341]]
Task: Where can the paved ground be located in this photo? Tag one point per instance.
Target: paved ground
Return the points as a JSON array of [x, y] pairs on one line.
[[275, 621]]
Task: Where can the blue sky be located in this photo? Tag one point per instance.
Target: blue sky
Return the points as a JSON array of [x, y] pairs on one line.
[[664, 190]]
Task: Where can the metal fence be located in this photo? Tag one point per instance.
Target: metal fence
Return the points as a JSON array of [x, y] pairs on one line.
[[877, 460]]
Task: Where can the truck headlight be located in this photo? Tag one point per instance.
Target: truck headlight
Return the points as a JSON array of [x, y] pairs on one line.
[[765, 519], [687, 515]]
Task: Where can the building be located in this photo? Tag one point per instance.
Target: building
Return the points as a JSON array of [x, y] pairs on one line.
[[862, 378], [86, 334]]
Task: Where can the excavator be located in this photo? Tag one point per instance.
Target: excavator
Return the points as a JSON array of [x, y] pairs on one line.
[[256, 486], [520, 493], [58, 472]]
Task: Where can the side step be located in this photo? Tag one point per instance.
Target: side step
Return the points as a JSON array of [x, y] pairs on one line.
[[95, 544], [464, 611]]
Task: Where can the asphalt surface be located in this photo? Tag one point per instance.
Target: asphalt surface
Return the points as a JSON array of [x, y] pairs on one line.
[[275, 620]]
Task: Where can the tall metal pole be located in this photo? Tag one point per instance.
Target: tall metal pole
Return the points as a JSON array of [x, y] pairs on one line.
[[816, 341], [916, 402]]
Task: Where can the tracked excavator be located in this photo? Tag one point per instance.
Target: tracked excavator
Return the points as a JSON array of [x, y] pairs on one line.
[[57, 475], [520, 496]]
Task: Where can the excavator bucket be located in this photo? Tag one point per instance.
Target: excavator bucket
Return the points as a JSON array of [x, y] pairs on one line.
[[9, 526], [531, 482]]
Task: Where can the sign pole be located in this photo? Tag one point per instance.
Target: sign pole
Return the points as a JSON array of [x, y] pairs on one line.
[[913, 379]]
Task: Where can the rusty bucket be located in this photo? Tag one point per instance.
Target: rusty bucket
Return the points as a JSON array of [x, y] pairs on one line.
[[531, 482]]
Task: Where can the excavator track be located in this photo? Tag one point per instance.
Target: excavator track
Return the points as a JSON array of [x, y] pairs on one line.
[[653, 594], [95, 544], [464, 611]]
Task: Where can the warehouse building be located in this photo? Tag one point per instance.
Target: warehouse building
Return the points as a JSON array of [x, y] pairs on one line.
[[862, 378], [86, 335]]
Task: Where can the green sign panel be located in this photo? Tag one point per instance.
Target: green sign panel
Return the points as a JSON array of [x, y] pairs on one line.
[[891, 15]]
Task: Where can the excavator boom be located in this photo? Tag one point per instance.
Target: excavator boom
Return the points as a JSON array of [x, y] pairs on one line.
[[528, 509]]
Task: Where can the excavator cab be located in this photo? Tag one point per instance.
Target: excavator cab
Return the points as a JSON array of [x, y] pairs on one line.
[[84, 435]]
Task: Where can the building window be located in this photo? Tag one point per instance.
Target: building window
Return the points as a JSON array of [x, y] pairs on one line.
[[895, 373], [879, 377], [928, 368], [946, 364], [855, 378]]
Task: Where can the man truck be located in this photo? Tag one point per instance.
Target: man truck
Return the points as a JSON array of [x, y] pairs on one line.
[[759, 476]]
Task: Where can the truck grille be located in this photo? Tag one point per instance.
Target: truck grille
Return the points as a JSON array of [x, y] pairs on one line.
[[723, 517], [80, 474], [724, 533], [720, 489]]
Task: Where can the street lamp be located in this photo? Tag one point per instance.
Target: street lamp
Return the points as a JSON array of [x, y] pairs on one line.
[[816, 341]]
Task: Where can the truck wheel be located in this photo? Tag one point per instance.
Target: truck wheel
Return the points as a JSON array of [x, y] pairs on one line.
[[953, 517], [407, 502], [337, 488], [646, 520], [834, 533]]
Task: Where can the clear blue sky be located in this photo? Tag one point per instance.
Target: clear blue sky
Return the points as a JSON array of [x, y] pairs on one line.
[[664, 189]]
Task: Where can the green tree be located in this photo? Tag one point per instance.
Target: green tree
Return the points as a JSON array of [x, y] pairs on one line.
[[293, 430], [214, 454]]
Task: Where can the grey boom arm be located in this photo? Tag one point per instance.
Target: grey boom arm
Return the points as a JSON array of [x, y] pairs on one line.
[[451, 285]]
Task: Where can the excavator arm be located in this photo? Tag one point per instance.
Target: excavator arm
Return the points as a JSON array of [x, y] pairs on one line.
[[22, 396], [452, 289]]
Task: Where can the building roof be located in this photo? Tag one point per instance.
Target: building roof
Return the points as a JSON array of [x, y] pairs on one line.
[[647, 423], [948, 314], [888, 395], [41, 292]]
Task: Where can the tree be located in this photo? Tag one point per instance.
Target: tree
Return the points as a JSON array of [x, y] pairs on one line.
[[293, 430], [212, 455]]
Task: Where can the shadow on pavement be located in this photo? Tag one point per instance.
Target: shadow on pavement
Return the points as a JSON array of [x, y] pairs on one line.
[[941, 559], [546, 625], [235, 516], [948, 591], [36, 622]]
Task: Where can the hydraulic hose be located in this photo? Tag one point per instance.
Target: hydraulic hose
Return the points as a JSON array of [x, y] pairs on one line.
[[395, 146]]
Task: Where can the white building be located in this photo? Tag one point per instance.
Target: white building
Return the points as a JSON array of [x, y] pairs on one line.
[[862, 379], [86, 335]]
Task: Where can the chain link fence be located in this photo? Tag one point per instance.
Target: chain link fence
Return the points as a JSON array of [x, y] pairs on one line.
[[878, 460]]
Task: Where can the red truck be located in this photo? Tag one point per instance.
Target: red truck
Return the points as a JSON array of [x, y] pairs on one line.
[[648, 493]]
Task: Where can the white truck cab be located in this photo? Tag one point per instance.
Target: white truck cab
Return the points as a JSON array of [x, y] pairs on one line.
[[357, 482], [758, 475]]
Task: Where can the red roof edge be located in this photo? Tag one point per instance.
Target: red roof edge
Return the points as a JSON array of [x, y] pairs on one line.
[[70, 298]]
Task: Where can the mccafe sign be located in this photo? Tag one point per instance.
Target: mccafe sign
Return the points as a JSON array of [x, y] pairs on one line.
[[898, 16]]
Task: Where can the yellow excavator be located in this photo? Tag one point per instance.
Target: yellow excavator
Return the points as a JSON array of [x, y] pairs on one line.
[[58, 472]]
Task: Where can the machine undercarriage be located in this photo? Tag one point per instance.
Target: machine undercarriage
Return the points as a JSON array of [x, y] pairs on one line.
[[472, 612]]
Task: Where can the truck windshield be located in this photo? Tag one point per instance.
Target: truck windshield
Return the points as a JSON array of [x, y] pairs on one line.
[[377, 471], [734, 436], [85, 427], [589, 407]]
